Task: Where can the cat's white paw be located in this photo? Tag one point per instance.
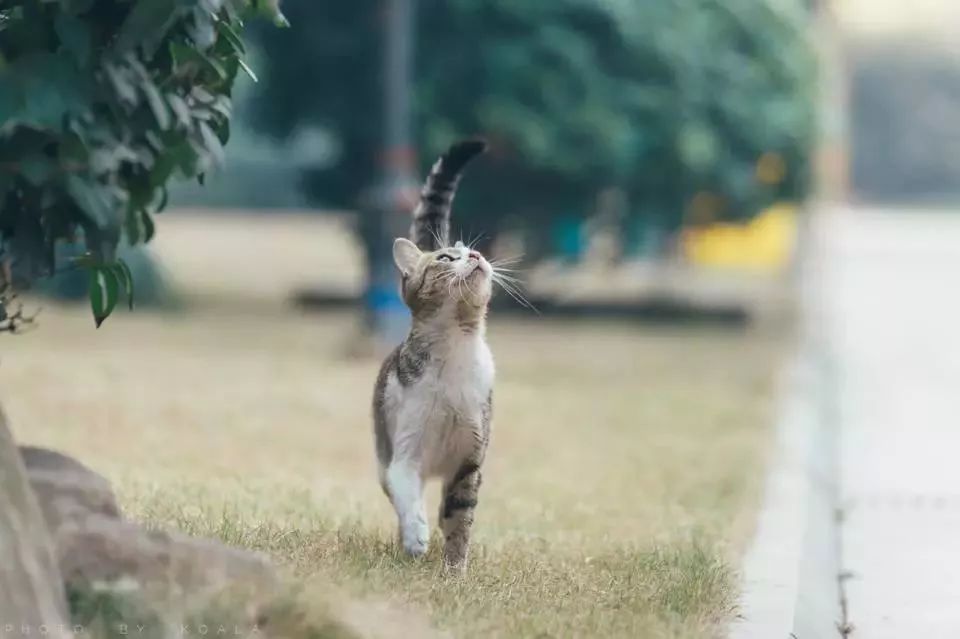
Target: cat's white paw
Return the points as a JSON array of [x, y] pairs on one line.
[[416, 547], [416, 541]]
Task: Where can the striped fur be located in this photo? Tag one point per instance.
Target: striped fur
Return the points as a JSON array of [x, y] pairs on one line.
[[460, 494], [431, 219], [433, 397]]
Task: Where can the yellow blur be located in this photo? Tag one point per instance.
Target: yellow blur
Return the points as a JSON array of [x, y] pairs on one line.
[[765, 243]]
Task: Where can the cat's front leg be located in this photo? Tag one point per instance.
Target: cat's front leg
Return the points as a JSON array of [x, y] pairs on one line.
[[457, 507], [404, 484]]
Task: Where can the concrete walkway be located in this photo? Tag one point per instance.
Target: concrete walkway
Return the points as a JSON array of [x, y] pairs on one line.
[[887, 310]]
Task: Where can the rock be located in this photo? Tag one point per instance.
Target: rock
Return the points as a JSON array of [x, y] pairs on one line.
[[154, 583], [169, 574], [99, 548], [65, 488], [31, 590]]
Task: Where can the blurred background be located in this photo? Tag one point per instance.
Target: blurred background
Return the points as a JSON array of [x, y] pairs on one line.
[[648, 160], [652, 167]]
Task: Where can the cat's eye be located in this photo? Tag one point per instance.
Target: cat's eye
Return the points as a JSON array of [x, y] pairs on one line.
[[443, 257]]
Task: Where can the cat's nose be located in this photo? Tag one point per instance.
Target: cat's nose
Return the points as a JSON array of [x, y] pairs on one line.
[[475, 255]]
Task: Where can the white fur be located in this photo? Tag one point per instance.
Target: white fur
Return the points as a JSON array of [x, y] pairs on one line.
[[433, 428], [434, 422]]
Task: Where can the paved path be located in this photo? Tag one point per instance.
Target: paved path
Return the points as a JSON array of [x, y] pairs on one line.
[[888, 300]]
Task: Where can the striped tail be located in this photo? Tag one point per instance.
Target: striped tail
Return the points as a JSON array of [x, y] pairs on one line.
[[431, 218]]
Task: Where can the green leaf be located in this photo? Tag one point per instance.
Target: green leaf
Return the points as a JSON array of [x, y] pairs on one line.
[[231, 64], [186, 156], [140, 227], [104, 290], [180, 109], [212, 143], [146, 25], [222, 129], [148, 226], [223, 105], [162, 169], [122, 83], [134, 227], [201, 30], [125, 276], [107, 158], [164, 197], [73, 150], [140, 192], [231, 36], [93, 199], [157, 105], [202, 95], [74, 36], [247, 70], [270, 9], [189, 62], [46, 87]]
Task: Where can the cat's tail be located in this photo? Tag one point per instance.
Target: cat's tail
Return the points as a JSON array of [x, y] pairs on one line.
[[431, 218]]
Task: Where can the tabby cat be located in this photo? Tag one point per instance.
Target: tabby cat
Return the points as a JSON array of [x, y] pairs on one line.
[[433, 398]]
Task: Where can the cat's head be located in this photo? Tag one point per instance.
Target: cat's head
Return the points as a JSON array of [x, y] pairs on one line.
[[456, 279]]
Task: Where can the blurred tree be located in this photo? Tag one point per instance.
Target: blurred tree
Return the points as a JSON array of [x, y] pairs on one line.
[[747, 90], [357, 56], [101, 103], [698, 110], [325, 71]]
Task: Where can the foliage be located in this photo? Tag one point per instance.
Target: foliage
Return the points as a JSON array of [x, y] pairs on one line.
[[73, 285], [701, 108], [336, 45], [102, 102]]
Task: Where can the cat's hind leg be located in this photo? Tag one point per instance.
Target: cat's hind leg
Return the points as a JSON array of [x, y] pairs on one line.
[[456, 513]]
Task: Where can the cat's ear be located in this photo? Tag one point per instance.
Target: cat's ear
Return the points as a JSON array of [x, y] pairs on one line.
[[405, 255]]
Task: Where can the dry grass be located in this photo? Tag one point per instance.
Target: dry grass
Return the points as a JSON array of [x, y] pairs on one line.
[[618, 490]]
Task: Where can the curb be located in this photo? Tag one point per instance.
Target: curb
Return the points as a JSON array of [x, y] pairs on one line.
[[790, 574]]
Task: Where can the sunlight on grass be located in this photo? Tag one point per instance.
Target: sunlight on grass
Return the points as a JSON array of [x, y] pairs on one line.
[[617, 496], [679, 589]]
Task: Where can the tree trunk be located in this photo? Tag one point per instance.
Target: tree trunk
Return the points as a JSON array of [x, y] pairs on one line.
[[31, 589]]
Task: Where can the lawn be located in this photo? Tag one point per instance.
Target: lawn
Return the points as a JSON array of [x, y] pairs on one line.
[[619, 489]]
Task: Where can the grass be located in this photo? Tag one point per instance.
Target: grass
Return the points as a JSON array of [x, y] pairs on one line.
[[618, 492]]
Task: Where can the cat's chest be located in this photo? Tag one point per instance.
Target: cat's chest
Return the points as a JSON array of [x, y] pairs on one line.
[[457, 391], [462, 376]]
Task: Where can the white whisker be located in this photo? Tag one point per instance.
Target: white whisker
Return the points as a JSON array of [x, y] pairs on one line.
[[474, 241], [512, 289], [513, 259], [436, 236]]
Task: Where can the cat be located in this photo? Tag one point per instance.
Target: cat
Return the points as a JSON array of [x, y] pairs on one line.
[[433, 398]]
